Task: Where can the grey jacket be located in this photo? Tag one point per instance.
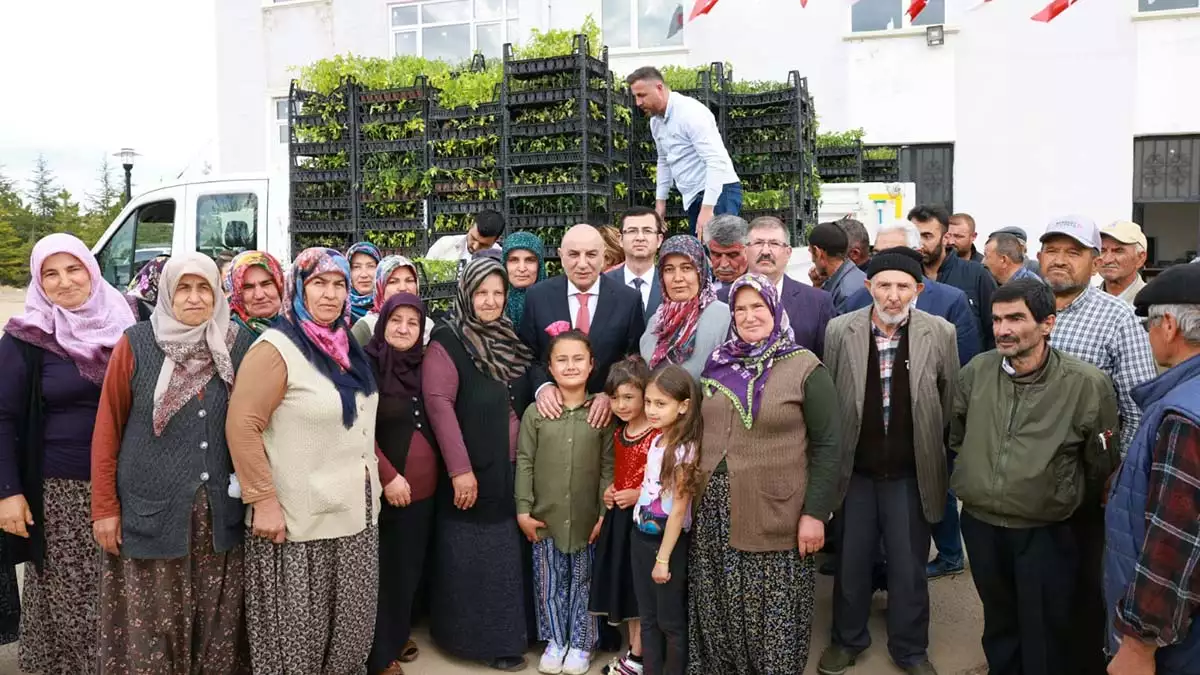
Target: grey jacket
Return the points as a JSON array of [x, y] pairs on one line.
[[933, 375]]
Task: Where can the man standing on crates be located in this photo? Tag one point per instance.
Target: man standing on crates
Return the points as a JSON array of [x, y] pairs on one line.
[[691, 154]]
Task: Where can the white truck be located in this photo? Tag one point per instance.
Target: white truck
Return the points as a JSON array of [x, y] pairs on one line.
[[241, 212]]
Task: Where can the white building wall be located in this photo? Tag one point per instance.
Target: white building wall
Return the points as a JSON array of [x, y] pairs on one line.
[[1043, 116]]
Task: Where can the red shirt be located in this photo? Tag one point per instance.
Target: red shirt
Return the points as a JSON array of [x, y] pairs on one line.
[[630, 469]]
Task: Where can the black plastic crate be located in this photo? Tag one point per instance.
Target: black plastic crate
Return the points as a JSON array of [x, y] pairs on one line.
[[392, 224], [763, 121], [839, 151], [409, 252], [320, 175], [796, 91], [320, 226], [437, 206], [519, 222], [336, 240], [775, 166], [439, 290], [437, 112], [456, 163], [408, 145], [839, 171], [318, 149], [558, 189], [420, 91], [766, 148], [537, 159], [515, 99], [578, 59], [463, 134], [574, 126], [320, 204], [318, 120]]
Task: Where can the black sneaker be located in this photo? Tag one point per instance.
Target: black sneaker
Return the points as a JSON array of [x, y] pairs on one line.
[[509, 664], [835, 660]]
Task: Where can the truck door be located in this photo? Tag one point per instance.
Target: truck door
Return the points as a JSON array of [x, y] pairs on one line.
[[146, 231]]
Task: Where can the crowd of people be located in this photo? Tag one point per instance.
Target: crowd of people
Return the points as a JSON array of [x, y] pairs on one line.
[[279, 473]]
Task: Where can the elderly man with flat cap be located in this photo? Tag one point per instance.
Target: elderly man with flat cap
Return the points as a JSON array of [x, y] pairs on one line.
[[895, 369], [1151, 580]]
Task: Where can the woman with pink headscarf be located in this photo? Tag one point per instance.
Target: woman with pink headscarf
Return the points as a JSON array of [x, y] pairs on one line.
[[55, 356]]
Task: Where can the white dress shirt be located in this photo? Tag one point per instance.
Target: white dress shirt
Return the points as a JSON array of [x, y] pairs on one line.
[[691, 153], [452, 248], [573, 300], [648, 278]]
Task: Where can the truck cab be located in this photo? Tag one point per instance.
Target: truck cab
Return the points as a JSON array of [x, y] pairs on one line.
[[234, 213]]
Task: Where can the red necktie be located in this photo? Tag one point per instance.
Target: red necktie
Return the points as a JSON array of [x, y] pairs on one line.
[[583, 320]]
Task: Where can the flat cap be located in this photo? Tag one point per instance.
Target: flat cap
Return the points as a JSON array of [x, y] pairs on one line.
[[1176, 285], [1013, 230]]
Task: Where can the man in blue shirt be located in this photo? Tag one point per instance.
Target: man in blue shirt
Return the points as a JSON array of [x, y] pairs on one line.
[[828, 245], [1004, 257], [691, 154]]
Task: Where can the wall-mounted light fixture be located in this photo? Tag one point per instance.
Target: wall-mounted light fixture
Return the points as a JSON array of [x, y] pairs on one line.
[[935, 36]]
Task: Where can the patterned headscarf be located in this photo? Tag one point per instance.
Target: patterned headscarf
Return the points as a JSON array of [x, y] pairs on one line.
[[384, 272], [360, 303], [327, 347], [739, 369], [87, 334], [493, 345], [144, 284], [522, 241], [235, 280], [193, 353], [676, 321]]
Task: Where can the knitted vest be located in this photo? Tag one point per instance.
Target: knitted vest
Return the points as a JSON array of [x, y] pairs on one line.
[[157, 477], [1175, 391], [890, 453], [482, 406], [318, 465]]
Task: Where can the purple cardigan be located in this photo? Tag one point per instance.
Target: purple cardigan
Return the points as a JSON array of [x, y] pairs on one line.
[[69, 411]]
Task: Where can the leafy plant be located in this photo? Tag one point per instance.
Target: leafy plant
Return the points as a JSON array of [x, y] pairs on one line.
[[542, 45]]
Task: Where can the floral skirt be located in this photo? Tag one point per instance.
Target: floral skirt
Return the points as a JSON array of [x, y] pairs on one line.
[[58, 626], [180, 616], [748, 613]]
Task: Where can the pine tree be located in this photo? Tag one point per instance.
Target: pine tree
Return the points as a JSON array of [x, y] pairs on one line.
[[107, 200], [44, 199], [14, 251]]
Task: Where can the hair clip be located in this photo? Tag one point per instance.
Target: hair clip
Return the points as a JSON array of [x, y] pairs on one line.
[[557, 328]]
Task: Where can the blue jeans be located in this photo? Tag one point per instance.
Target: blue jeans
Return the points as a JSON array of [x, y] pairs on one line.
[[730, 201], [947, 535]]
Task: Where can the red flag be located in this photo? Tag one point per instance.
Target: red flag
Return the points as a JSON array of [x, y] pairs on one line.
[[702, 7], [676, 24], [803, 4], [1052, 10], [916, 8]]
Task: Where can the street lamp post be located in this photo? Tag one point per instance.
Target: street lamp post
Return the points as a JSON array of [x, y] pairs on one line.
[[127, 155]]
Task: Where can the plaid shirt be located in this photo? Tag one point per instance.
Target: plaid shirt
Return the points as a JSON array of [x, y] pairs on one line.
[[1165, 592], [887, 348], [1101, 330]]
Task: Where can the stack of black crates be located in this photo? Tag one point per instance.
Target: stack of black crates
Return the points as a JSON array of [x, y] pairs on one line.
[[557, 139], [323, 199]]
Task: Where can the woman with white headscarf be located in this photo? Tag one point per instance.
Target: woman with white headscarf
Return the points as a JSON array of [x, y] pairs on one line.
[[165, 504], [54, 356]]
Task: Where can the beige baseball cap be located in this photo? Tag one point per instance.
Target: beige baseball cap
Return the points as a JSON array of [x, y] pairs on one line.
[[1126, 232]]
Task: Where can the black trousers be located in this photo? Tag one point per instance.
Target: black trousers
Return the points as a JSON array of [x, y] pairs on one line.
[[891, 509], [403, 542], [663, 607], [1027, 579], [1089, 618]]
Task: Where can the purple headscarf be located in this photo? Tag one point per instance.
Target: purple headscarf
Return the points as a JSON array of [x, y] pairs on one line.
[[739, 369], [87, 334]]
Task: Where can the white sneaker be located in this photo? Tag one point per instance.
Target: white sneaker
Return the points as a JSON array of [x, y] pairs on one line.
[[578, 662], [552, 659]]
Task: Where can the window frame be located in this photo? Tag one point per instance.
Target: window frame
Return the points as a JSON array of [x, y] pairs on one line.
[[282, 134], [905, 21], [473, 24], [133, 222], [1164, 13], [634, 34]]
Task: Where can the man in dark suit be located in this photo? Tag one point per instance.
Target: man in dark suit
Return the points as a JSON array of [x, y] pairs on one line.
[[808, 309], [610, 313], [641, 235]]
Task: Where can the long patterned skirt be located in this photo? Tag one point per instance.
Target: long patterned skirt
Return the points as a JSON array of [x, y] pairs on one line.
[[181, 616], [748, 613], [58, 626], [310, 605]]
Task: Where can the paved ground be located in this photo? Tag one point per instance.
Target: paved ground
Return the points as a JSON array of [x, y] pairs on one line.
[[956, 614]]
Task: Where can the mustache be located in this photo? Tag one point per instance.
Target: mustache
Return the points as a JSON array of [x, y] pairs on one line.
[[766, 257]]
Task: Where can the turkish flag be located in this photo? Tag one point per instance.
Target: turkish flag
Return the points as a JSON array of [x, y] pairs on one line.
[[676, 24], [916, 8], [702, 7], [1052, 10]]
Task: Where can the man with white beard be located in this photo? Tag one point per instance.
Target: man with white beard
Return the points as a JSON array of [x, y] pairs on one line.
[[895, 368]]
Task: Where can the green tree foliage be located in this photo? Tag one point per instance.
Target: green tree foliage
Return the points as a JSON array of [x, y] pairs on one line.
[[14, 250]]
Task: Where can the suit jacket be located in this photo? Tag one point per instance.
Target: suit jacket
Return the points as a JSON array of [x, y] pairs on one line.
[[941, 300], [808, 311], [616, 326], [618, 275], [933, 375]]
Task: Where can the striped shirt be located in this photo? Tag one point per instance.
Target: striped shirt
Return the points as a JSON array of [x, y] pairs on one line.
[[1102, 330], [691, 153]]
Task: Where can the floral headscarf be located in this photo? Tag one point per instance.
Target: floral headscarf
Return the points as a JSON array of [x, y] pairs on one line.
[[522, 241], [361, 303], [144, 284], [87, 334], [739, 369], [235, 280], [384, 272], [327, 347], [676, 321], [194, 354], [493, 345]]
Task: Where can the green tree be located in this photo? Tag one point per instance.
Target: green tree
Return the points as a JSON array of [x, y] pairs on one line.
[[43, 197], [14, 250], [109, 197]]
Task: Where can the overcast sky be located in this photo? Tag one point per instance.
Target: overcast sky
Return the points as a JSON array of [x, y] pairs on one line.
[[83, 78]]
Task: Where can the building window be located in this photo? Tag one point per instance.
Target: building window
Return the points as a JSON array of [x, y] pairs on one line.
[[453, 30], [281, 119], [641, 24], [1164, 5], [873, 15]]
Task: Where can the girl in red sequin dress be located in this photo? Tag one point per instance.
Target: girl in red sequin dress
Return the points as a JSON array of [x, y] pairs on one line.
[[612, 579]]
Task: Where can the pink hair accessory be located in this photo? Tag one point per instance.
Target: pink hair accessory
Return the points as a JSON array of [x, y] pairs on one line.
[[557, 328]]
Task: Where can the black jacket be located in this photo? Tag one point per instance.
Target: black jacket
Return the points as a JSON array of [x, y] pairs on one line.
[[974, 280]]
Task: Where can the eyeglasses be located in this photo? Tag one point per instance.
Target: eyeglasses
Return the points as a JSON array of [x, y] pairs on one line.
[[645, 232], [761, 243]]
